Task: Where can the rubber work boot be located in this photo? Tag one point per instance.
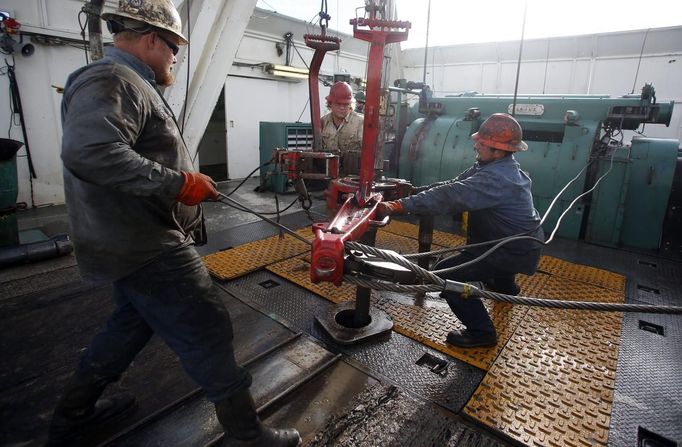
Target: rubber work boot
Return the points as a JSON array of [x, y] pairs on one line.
[[81, 410], [471, 339], [237, 414]]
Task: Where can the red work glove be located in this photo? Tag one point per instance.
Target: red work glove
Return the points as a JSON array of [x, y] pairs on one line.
[[388, 208], [197, 188]]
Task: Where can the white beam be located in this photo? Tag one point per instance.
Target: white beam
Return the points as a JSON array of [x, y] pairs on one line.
[[215, 37]]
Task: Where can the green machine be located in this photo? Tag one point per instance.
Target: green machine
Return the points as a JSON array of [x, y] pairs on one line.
[[568, 136], [9, 189], [280, 135]]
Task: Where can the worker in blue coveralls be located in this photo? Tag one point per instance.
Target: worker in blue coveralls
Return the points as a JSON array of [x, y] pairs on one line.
[[134, 206], [497, 196]]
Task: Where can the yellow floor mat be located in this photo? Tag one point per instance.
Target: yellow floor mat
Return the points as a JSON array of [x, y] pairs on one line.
[[553, 383], [237, 261], [583, 273], [440, 238]]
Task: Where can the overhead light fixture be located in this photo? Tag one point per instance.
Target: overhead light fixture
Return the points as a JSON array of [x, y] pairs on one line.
[[286, 71]]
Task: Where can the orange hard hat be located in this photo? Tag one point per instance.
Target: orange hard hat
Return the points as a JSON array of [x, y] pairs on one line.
[[340, 93], [501, 131]]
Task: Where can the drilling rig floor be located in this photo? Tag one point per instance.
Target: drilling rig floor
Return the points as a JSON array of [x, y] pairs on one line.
[[556, 377]]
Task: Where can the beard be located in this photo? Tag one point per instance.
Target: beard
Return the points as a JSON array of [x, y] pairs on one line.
[[165, 79]]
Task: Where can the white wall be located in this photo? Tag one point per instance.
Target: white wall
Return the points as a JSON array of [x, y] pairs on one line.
[[41, 106], [250, 101]]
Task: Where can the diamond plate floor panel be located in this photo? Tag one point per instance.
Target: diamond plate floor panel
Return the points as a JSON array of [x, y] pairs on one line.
[[648, 381], [392, 358], [254, 255], [553, 383], [582, 273]]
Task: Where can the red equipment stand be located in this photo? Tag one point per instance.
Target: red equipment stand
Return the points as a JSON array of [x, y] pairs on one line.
[[355, 218]]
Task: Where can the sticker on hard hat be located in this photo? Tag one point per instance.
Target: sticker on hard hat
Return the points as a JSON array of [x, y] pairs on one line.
[[527, 109]]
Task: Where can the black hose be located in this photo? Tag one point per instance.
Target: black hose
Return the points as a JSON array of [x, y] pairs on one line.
[[248, 177]]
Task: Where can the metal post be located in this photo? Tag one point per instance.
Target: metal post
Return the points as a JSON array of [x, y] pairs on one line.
[[425, 238], [362, 295]]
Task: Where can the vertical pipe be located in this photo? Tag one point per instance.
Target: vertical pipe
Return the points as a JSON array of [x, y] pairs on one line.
[[426, 45], [518, 65], [424, 238], [371, 123], [362, 295]]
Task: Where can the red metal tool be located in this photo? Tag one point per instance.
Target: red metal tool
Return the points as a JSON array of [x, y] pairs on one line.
[[356, 215], [321, 43]]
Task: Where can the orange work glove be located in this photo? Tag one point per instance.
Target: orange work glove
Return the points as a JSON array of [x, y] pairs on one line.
[[388, 208], [197, 188]]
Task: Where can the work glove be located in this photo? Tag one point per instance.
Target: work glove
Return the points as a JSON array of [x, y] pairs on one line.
[[197, 188], [388, 208]]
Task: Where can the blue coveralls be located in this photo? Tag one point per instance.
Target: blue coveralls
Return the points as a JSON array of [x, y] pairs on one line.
[[123, 153], [498, 197]]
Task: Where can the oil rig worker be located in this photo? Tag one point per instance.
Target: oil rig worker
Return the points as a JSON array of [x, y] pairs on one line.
[[497, 196], [342, 127], [135, 215]]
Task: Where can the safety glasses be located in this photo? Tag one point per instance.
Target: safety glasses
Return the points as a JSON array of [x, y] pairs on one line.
[[174, 48]]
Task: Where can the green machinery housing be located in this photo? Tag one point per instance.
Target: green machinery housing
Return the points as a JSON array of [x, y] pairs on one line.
[[564, 134]]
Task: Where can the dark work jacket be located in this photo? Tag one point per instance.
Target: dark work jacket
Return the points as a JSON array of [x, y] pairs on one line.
[[122, 153], [498, 197]]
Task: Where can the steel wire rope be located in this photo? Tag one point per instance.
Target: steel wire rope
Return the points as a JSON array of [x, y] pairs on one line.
[[439, 284]]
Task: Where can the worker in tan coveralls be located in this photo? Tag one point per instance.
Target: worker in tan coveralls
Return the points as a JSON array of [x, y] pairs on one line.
[[342, 128]]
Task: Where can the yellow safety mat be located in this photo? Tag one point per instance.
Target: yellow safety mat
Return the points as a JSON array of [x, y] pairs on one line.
[[553, 383], [583, 273], [237, 261], [440, 238]]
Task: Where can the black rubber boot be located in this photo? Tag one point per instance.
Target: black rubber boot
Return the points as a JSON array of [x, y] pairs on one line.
[[80, 410], [470, 339], [237, 414]]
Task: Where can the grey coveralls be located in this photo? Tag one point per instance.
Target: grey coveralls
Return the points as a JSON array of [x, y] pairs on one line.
[[123, 153], [498, 197]]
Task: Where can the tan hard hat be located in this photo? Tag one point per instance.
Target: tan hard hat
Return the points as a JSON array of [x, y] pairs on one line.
[[157, 13], [501, 131]]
